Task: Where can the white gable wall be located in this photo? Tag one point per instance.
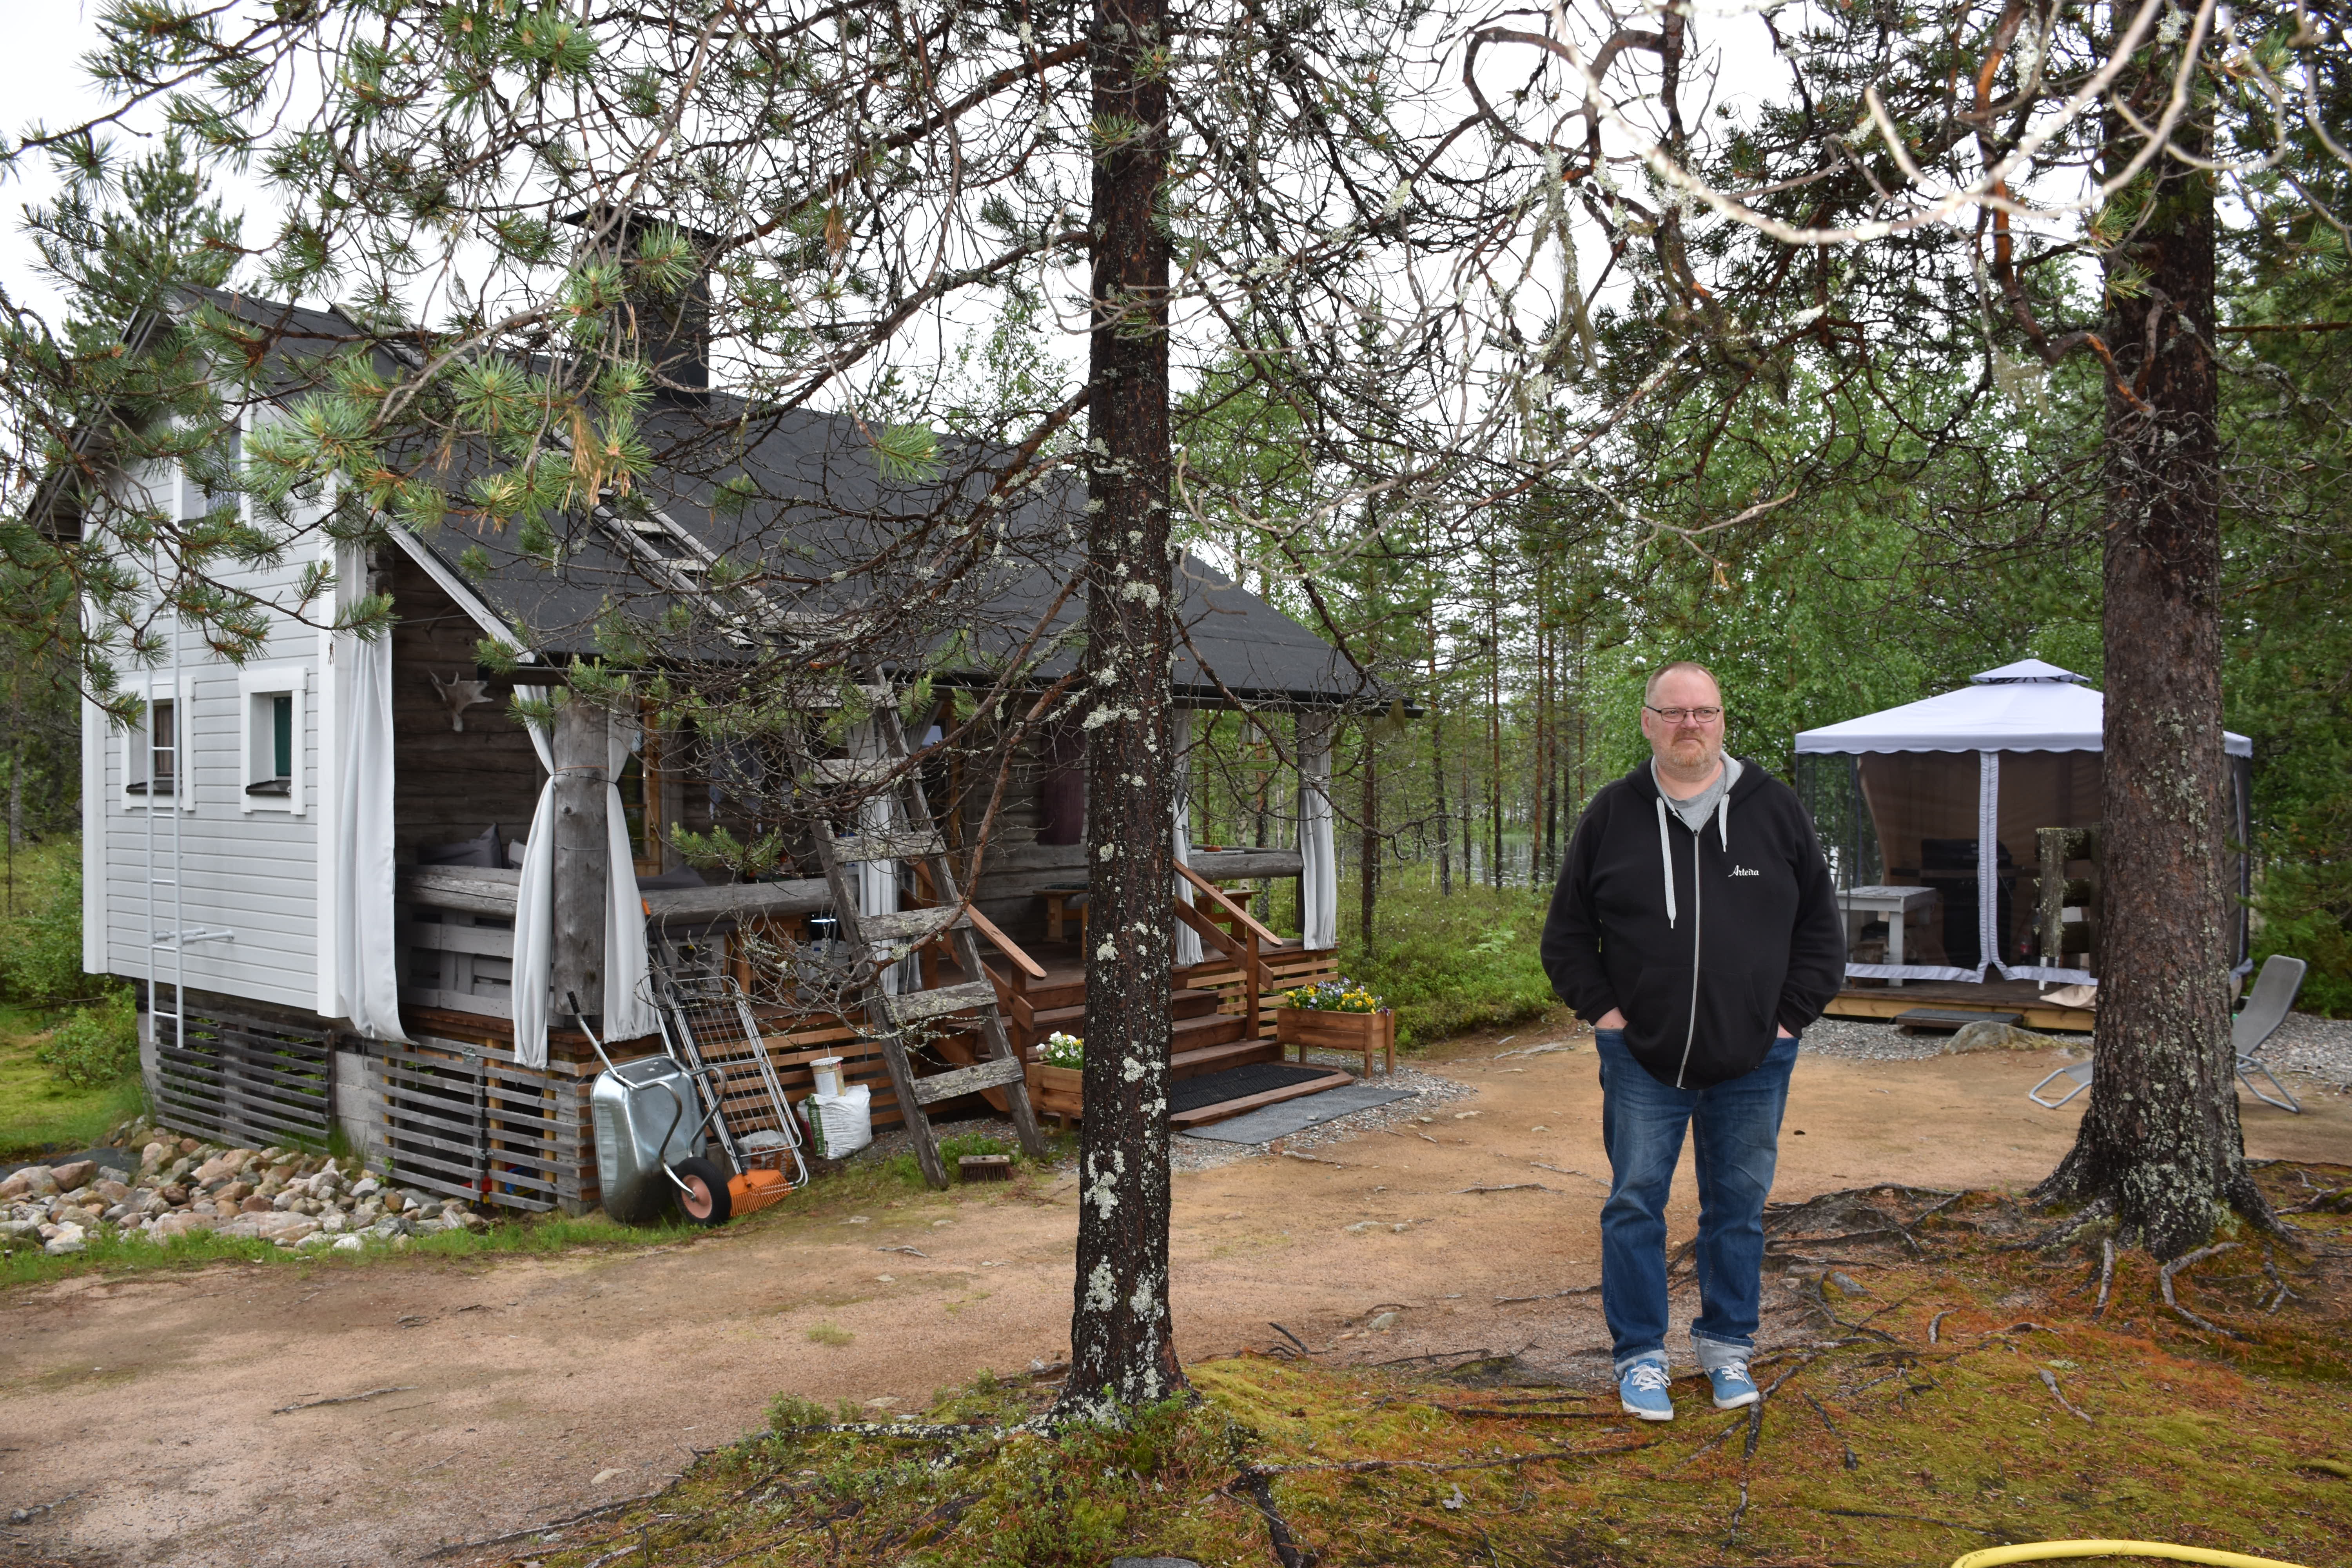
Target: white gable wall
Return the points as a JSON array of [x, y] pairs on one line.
[[246, 865]]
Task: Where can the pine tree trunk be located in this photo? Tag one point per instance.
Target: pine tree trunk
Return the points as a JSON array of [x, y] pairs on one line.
[[1437, 774], [1367, 886], [1122, 1350], [2161, 1140]]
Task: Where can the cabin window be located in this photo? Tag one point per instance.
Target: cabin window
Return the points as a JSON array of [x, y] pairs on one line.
[[154, 753], [212, 477], [641, 807], [273, 726]]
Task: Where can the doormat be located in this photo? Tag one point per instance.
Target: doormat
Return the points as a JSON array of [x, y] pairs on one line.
[[1281, 1120], [1237, 1083]]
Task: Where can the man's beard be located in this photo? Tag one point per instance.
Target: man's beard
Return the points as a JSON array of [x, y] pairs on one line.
[[1689, 753]]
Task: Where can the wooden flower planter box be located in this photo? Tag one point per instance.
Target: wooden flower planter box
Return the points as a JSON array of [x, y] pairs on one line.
[[1055, 1091], [1370, 1034]]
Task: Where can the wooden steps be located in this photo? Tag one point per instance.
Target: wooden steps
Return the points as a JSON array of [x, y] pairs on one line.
[[1215, 1058], [1227, 1109]]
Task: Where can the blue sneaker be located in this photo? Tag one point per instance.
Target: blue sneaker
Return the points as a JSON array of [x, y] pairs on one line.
[[1641, 1391], [1733, 1386]]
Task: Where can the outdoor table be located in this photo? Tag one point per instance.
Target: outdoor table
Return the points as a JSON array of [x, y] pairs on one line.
[[1056, 903], [1894, 903]]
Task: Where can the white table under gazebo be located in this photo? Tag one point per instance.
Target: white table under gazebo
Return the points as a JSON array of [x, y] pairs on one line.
[[1929, 813]]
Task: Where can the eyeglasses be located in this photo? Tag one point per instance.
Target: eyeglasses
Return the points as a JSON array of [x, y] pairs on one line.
[[1696, 715]]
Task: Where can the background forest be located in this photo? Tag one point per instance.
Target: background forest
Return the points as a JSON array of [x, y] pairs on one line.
[[1824, 474], [1933, 527]]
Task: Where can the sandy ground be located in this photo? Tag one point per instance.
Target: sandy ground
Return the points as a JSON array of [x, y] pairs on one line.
[[147, 1415]]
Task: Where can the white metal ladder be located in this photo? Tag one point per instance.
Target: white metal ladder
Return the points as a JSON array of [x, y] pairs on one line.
[[174, 937]]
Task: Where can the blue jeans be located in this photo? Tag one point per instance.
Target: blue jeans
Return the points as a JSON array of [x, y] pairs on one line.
[[1641, 1124]]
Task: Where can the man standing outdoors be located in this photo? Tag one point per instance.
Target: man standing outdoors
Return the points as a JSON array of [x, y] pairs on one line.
[[1696, 929]]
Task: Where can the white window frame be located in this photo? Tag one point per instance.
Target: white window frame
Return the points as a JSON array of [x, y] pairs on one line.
[[279, 678], [134, 751]]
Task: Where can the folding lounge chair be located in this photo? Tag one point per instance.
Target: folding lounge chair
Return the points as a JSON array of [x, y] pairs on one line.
[[2079, 1071], [2273, 998], [2266, 1008]]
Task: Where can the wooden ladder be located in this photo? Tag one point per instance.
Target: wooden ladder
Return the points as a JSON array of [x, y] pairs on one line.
[[908, 833]]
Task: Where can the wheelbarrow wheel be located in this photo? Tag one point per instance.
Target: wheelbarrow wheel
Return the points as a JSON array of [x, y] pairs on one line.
[[705, 1200]]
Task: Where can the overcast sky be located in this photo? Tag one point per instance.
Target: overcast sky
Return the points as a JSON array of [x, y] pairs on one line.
[[42, 80]]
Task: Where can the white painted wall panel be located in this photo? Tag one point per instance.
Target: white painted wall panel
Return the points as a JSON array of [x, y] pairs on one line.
[[252, 873]]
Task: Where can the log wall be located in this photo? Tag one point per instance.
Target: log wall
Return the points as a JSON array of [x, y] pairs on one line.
[[449, 784]]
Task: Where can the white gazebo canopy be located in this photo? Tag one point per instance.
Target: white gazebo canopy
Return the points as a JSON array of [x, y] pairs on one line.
[[2028, 706]]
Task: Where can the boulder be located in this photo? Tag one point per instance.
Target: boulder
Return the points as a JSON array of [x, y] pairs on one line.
[[68, 1238], [316, 1240], [10, 1229], [75, 1214], [285, 1228], [332, 1221], [156, 1154], [348, 1244], [236, 1192], [214, 1169], [1991, 1035], [256, 1205], [366, 1187], [69, 1176], [33, 1181], [112, 1191], [182, 1224], [172, 1193]]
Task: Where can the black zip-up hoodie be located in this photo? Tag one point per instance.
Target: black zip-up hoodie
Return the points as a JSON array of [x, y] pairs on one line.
[[1707, 939]]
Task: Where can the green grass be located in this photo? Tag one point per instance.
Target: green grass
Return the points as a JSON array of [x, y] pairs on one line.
[[1449, 964], [40, 1114], [532, 1235]]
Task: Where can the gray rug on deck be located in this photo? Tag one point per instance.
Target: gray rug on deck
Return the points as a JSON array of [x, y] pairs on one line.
[[1285, 1117]]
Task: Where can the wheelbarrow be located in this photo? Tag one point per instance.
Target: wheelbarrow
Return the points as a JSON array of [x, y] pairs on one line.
[[649, 1146]]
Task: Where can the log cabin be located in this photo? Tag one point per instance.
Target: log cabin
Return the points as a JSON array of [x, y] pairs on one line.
[[313, 864]]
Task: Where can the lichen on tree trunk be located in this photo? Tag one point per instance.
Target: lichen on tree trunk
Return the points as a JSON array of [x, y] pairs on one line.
[[1122, 1350], [2161, 1142]]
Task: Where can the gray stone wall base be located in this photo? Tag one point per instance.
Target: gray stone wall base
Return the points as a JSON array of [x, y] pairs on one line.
[[359, 1107]]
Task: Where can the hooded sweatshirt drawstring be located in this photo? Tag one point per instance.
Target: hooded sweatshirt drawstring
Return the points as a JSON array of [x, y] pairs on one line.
[[1667, 846], [1666, 855]]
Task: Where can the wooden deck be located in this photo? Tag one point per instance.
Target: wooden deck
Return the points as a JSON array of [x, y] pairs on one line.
[[2024, 997]]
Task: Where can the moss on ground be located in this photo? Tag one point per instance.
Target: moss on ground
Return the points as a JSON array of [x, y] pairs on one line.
[[1920, 1424]]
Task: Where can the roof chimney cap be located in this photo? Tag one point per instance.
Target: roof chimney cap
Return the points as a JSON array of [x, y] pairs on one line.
[[2027, 671], [672, 329]]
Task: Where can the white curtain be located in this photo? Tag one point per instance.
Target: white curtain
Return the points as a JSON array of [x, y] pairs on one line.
[[628, 1012], [627, 1015], [1179, 731], [1318, 882], [367, 962], [877, 880], [534, 932]]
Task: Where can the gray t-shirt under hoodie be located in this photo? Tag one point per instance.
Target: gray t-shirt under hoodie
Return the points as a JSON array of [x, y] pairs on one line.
[[1696, 811]]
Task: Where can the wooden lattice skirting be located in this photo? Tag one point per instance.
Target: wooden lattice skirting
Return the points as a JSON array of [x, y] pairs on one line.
[[468, 1121], [245, 1080]]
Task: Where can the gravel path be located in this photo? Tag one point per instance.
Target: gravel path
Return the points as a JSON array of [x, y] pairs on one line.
[[1206, 1154], [2314, 1050], [2320, 1050]]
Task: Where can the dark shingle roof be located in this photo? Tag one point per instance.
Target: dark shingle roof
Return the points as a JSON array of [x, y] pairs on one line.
[[828, 535]]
